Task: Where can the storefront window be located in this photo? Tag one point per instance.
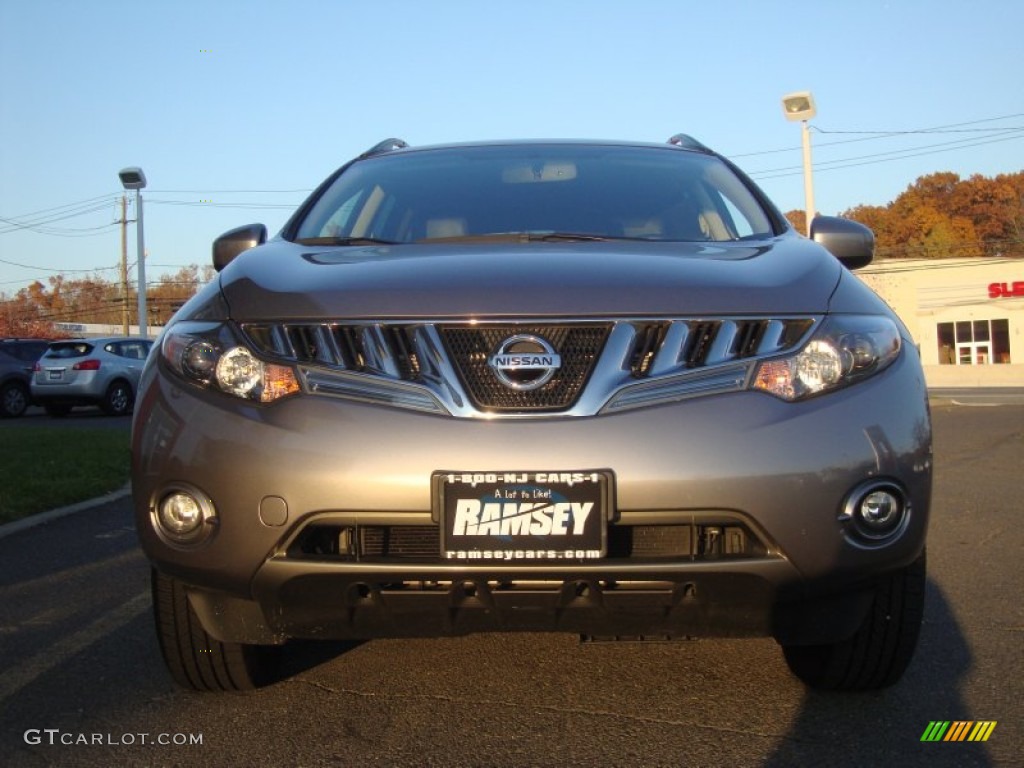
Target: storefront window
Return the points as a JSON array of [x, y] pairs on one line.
[[981, 342], [947, 344], [1001, 341]]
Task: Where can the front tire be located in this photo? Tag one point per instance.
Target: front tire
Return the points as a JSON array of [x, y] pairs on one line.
[[118, 399], [197, 660], [14, 399], [878, 653]]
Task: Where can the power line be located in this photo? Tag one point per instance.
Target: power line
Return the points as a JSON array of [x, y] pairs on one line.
[[204, 204], [875, 135], [64, 231], [228, 192], [109, 197], [50, 269], [41, 224], [951, 128], [883, 157]]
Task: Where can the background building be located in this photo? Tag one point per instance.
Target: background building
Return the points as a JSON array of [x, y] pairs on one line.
[[98, 330], [966, 315]]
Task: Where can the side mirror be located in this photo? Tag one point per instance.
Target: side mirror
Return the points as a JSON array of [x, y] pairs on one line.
[[230, 244], [849, 241]]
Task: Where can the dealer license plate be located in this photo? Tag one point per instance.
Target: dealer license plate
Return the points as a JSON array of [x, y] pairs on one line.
[[523, 516]]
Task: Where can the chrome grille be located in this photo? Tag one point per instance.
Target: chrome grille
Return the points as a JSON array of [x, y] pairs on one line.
[[697, 343], [376, 348], [607, 365]]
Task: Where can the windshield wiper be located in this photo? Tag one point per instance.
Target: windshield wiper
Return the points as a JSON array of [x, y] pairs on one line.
[[512, 237], [345, 241], [567, 236]]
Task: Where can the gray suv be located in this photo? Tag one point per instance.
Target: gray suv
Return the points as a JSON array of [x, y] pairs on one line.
[[589, 387]]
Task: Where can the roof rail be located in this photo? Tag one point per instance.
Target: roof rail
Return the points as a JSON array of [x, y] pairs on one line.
[[688, 142], [388, 145]]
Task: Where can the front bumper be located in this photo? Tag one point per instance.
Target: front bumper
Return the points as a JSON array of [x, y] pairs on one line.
[[783, 470]]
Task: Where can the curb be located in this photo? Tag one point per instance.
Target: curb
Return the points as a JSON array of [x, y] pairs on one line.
[[16, 526]]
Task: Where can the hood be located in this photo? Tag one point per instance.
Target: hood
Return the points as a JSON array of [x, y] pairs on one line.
[[286, 281]]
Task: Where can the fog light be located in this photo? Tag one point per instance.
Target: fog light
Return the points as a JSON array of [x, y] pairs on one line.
[[181, 516], [877, 512]]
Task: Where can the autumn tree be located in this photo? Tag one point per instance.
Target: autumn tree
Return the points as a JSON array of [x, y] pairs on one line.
[[798, 219], [1015, 229], [35, 309], [172, 291], [81, 300], [942, 215], [19, 318]]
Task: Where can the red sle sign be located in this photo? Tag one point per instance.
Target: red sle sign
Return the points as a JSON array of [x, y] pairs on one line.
[[1013, 290]]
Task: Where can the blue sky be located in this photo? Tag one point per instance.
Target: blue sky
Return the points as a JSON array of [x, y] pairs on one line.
[[235, 110]]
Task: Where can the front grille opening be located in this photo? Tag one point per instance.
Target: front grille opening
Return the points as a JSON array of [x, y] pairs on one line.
[[350, 347], [649, 339], [705, 541], [699, 343], [724, 540], [397, 541], [795, 331], [400, 340], [387, 350], [306, 344], [748, 337]]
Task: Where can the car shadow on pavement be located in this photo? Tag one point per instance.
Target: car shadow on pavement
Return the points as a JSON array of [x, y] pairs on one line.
[[886, 727], [303, 655]]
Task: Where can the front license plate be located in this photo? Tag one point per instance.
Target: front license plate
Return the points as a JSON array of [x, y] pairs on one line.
[[523, 516]]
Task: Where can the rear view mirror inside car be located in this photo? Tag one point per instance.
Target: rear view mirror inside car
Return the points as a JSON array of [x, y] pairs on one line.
[[530, 174]]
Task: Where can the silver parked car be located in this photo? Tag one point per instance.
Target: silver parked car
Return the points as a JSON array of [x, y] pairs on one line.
[[103, 372], [588, 387]]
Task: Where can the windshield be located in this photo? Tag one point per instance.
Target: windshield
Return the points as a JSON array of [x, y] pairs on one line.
[[535, 191]]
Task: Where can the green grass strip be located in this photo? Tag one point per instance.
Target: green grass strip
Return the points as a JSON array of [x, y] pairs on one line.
[[44, 468]]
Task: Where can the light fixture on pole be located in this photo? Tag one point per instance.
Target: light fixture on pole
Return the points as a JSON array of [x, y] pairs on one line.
[[134, 178], [800, 106]]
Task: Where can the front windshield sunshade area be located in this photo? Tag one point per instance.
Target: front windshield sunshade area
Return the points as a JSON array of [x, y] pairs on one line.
[[535, 191]]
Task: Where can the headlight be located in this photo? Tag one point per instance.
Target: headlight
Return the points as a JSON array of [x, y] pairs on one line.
[[844, 350], [211, 355]]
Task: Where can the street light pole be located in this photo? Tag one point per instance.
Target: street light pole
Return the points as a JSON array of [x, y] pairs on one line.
[[800, 106], [134, 178], [125, 319], [141, 249], [808, 180]]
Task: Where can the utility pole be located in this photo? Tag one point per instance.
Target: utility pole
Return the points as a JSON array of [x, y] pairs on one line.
[[124, 265]]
